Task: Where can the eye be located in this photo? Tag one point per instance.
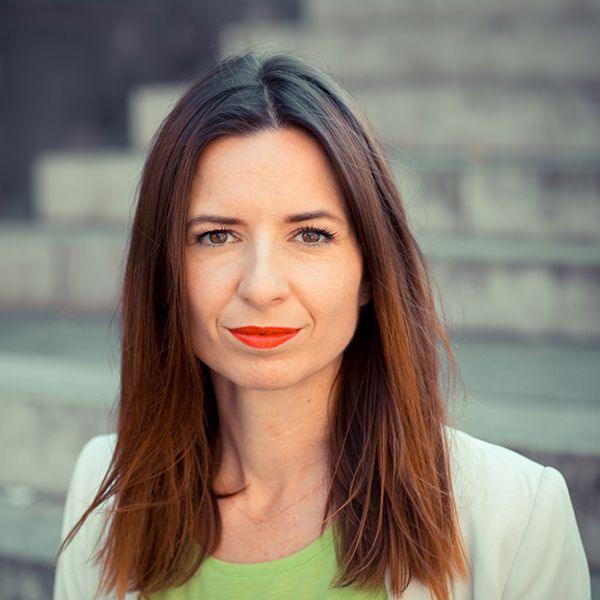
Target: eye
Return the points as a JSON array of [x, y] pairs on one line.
[[222, 233], [326, 233]]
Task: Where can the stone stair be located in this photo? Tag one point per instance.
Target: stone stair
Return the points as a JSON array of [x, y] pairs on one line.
[[544, 11], [490, 119], [522, 50]]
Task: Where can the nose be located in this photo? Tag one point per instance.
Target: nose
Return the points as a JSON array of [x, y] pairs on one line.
[[264, 278]]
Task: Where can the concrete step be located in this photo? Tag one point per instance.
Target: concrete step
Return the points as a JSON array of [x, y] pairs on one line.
[[487, 116], [519, 50], [553, 197], [30, 538], [445, 115], [344, 11], [148, 105], [539, 397], [61, 267], [60, 377], [515, 286], [51, 414], [546, 197], [96, 187]]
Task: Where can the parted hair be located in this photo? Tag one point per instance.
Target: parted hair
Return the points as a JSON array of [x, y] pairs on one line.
[[391, 488]]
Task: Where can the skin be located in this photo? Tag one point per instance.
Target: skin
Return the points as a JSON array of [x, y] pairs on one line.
[[272, 404]]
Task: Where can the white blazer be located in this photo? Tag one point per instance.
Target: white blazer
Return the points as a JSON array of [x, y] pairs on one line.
[[516, 515]]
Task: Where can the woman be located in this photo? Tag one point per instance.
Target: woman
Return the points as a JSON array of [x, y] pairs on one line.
[[281, 432]]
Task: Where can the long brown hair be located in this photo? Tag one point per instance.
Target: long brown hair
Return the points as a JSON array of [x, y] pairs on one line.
[[391, 491]]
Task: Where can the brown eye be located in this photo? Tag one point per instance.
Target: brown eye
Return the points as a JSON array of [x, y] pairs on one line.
[[315, 236], [315, 233], [216, 237]]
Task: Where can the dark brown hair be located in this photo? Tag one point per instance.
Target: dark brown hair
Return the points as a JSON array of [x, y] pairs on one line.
[[391, 491]]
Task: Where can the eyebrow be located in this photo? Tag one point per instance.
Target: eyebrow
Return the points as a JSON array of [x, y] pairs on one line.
[[297, 218]]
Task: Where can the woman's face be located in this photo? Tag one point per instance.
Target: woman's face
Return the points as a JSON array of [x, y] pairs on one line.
[[264, 270]]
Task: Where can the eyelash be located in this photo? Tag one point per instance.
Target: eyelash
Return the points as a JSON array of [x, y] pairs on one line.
[[327, 233]]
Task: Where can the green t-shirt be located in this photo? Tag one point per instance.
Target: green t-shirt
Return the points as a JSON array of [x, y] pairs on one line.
[[306, 574]]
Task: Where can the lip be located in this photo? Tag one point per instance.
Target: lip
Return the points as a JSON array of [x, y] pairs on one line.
[[263, 337]]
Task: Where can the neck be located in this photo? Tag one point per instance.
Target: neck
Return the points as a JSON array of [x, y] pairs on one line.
[[274, 443]]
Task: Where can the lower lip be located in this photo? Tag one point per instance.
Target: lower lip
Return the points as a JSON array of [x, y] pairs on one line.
[[263, 341]]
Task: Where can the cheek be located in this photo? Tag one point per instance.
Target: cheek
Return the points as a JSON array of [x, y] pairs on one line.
[[334, 291], [204, 304], [201, 291], [209, 290]]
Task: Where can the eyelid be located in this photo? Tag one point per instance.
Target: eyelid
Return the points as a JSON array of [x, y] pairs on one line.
[[327, 233]]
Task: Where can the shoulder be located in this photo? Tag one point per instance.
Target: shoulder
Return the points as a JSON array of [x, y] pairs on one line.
[[97, 452], [77, 575], [518, 522], [90, 468], [94, 458], [501, 474]]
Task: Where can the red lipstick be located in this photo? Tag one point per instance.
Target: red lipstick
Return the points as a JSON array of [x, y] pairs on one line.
[[264, 337]]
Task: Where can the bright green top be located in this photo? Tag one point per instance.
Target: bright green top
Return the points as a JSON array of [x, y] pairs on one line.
[[306, 574]]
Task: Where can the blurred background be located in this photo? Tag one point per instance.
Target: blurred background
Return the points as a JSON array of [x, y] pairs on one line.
[[489, 112]]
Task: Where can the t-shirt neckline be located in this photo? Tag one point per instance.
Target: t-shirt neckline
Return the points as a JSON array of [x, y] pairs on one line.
[[272, 566]]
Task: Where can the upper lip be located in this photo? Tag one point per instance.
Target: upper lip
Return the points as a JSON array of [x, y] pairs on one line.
[[255, 330]]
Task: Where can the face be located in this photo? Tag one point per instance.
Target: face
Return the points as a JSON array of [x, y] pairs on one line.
[[253, 265]]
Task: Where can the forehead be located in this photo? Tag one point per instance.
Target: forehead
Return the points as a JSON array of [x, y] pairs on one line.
[[279, 171]]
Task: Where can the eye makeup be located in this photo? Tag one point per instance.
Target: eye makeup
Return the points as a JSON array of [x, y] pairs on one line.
[[328, 234]]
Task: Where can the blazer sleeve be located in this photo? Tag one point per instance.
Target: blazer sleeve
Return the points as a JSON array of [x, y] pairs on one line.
[[76, 577], [550, 562]]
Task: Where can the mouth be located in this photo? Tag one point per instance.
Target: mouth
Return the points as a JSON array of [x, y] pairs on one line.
[[264, 337]]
